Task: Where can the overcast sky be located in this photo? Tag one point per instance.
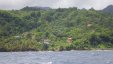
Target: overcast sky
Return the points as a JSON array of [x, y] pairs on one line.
[[18, 4]]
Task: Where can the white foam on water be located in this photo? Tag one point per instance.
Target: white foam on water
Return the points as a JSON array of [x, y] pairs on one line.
[[108, 62], [46, 63], [102, 50], [49, 63], [50, 51]]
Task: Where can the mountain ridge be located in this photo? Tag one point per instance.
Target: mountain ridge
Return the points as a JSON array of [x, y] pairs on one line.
[[35, 8], [108, 9]]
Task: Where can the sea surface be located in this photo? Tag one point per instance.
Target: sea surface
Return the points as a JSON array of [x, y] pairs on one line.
[[63, 57]]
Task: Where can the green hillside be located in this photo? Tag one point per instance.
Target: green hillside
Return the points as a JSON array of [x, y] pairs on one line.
[[24, 30]]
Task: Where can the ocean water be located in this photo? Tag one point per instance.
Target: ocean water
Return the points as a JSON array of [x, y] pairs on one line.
[[63, 57]]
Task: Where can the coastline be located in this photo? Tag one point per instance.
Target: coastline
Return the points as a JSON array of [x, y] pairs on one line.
[[93, 49]]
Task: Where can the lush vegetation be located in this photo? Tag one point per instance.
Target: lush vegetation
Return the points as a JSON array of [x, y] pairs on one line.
[[26, 29]]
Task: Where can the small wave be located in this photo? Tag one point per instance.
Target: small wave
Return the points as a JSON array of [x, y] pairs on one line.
[[102, 50], [46, 63]]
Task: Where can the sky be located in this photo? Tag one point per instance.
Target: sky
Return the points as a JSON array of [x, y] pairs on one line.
[[18, 4]]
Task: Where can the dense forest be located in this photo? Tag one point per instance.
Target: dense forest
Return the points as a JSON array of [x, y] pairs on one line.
[[37, 29]]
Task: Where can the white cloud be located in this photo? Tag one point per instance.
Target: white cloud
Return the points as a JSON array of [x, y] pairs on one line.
[[97, 4], [14, 4], [63, 3], [17, 4]]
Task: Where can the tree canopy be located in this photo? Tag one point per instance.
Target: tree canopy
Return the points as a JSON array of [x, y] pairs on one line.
[[22, 30]]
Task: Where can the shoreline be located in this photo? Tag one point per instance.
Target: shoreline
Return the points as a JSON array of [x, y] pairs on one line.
[[62, 50]]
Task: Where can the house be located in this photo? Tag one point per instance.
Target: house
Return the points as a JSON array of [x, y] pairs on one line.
[[69, 39], [46, 41]]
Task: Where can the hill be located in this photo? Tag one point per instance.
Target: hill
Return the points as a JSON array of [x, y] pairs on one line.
[[35, 8], [23, 30], [108, 9]]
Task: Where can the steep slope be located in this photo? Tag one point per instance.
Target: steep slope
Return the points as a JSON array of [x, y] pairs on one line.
[[10, 24], [14, 23], [108, 9]]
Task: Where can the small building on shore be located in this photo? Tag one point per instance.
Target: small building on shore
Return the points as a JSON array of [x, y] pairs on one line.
[[69, 40], [46, 41]]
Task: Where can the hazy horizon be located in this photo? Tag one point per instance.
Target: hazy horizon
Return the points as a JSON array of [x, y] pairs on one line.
[[87, 4]]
